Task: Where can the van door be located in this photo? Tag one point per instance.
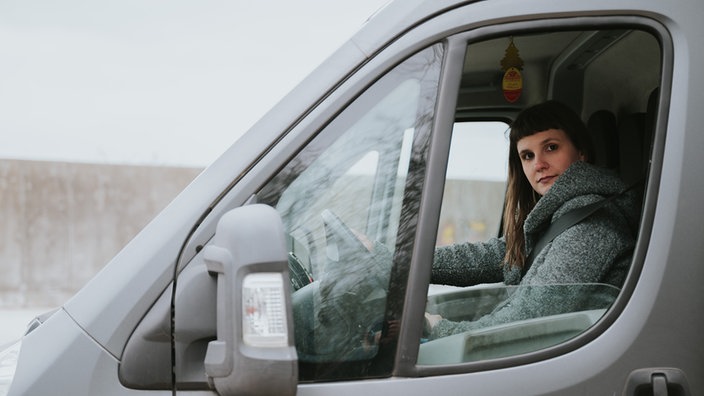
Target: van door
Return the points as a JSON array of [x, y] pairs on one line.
[[366, 187], [605, 348]]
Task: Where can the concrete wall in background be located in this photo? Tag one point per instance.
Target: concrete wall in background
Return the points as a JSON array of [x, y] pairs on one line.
[[62, 222]]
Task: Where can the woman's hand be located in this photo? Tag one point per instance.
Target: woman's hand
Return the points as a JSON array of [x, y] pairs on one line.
[[363, 239]]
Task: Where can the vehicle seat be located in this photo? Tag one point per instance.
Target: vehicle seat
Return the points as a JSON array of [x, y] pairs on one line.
[[631, 133], [635, 133], [603, 129]]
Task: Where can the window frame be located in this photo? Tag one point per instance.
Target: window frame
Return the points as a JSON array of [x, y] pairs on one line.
[[421, 261]]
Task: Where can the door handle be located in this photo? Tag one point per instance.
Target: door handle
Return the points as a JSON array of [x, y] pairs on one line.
[[657, 382]]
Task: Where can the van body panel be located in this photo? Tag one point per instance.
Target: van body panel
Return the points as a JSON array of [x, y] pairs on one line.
[[55, 358], [659, 323]]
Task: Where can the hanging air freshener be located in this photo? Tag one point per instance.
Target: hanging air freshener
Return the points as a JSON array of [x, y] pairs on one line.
[[511, 65]]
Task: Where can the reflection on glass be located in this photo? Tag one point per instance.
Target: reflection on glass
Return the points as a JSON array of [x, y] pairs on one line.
[[349, 192]]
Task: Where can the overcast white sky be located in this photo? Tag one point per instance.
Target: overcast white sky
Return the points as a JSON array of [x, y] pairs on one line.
[[164, 82]]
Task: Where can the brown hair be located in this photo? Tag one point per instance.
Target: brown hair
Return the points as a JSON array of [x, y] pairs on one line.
[[520, 196]]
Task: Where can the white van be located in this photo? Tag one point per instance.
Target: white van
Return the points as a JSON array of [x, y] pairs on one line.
[[253, 282]]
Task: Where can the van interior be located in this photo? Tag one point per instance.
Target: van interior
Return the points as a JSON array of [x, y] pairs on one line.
[[610, 77]]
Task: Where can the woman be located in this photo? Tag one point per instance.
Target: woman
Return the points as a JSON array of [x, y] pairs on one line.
[[549, 174]]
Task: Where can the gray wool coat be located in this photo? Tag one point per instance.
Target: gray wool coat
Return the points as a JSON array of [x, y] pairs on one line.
[[597, 250]]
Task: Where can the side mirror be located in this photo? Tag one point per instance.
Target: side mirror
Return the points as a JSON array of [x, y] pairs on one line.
[[254, 351]]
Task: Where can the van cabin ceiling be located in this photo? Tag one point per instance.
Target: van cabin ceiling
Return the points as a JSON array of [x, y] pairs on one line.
[[553, 62]]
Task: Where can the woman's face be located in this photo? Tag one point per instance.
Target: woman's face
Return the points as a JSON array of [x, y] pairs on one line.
[[545, 155]]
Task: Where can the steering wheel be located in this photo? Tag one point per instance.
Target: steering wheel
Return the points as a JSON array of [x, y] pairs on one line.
[[340, 315], [341, 240]]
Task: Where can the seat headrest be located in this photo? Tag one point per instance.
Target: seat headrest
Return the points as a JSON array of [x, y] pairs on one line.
[[602, 127]]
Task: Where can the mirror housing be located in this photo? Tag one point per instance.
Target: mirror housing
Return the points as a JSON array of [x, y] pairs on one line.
[[254, 351]]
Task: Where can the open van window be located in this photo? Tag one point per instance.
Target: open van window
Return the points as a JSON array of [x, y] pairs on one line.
[[481, 316]]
